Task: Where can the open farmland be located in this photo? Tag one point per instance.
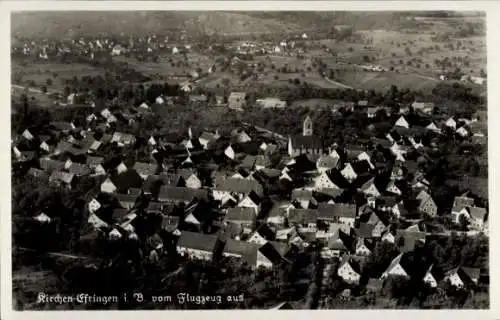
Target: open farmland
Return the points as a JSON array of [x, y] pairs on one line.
[[171, 67], [57, 72], [381, 81]]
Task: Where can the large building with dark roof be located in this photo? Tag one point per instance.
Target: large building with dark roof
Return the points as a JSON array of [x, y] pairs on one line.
[[307, 143]]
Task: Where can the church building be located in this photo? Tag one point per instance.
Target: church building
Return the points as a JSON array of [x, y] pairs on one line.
[[307, 143]]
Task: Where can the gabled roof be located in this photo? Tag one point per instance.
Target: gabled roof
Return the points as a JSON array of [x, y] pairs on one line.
[[340, 210], [463, 202], [238, 185], [169, 193], [353, 263], [340, 241], [271, 253], [94, 161], [247, 250], [327, 161], [37, 173], [364, 230], [241, 214], [302, 216], [199, 241], [48, 164], [300, 194], [306, 142], [145, 168], [79, 169], [478, 213], [61, 176]]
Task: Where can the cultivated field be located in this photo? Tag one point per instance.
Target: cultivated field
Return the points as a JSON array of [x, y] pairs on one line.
[[57, 72]]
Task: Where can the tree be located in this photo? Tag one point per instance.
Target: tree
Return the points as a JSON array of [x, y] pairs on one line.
[[44, 89], [49, 81]]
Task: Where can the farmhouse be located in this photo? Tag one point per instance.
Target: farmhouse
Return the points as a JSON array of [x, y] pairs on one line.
[[236, 100], [197, 245]]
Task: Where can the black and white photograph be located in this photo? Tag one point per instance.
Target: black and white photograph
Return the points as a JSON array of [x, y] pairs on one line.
[[232, 159]]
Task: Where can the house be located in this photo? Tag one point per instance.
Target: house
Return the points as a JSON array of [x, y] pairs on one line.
[[271, 103], [392, 188], [388, 236], [49, 165], [242, 216], [432, 127], [236, 100], [207, 137], [92, 162], [189, 178], [427, 204], [196, 245], [229, 152], [304, 198], [243, 250], [236, 186], [324, 181], [262, 235], [399, 266], [145, 169], [369, 189], [338, 244], [343, 213], [327, 162], [27, 135], [251, 200], [93, 205], [407, 240], [126, 201], [349, 270], [240, 136], [37, 174], [180, 194], [462, 132], [269, 255], [364, 247], [62, 178], [451, 123], [461, 277], [144, 106], [305, 218], [401, 122], [372, 112], [79, 169], [122, 138], [477, 218], [42, 218], [374, 286], [278, 213], [424, 107], [121, 168], [348, 172], [108, 186], [307, 143], [433, 276]]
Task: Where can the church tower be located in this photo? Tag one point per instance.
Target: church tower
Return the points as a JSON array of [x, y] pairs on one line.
[[307, 127]]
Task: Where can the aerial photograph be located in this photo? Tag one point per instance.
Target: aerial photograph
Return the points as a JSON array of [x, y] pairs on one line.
[[272, 160]]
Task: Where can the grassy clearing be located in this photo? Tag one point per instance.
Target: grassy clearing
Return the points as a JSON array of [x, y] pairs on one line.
[[40, 72]]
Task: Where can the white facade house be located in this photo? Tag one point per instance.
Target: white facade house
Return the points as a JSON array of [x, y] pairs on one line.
[[348, 173], [401, 122]]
